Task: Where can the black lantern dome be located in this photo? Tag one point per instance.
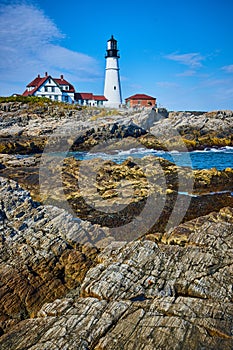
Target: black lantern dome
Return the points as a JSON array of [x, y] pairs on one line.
[[112, 50]]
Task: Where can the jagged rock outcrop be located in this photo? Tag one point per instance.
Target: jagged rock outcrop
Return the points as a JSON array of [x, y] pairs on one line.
[[44, 252], [25, 127], [195, 130], [167, 291]]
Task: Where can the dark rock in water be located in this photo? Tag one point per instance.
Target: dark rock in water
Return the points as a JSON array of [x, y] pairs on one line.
[[170, 290]]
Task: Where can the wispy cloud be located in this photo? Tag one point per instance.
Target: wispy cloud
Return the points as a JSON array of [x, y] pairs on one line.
[[68, 60], [187, 73], [30, 44], [228, 69], [212, 82], [192, 60], [167, 84]]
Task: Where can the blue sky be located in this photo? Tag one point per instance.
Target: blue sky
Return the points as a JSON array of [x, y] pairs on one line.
[[178, 51]]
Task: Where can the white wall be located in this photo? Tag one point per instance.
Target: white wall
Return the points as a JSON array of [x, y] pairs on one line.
[[112, 87], [92, 103]]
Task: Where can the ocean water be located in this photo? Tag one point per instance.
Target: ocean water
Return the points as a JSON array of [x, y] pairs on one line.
[[209, 158]]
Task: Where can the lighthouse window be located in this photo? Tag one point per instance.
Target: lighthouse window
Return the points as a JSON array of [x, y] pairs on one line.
[[114, 87]]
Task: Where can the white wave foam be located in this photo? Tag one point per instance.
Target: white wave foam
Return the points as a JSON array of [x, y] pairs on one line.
[[174, 152]]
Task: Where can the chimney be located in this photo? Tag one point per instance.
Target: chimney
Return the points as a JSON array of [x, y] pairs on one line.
[[62, 76], [38, 75], [46, 74]]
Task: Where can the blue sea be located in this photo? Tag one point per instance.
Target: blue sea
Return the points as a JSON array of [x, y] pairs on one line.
[[220, 158]]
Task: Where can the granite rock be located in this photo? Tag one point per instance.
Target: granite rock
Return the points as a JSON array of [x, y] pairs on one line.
[[44, 252], [26, 128], [170, 290], [192, 131]]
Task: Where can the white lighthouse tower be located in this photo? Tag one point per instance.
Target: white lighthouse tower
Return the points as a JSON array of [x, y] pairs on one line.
[[112, 85]]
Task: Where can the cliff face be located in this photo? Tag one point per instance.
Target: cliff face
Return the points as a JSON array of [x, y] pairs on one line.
[[25, 128], [59, 291]]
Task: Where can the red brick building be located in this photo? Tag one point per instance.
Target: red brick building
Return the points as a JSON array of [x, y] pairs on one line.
[[140, 100]]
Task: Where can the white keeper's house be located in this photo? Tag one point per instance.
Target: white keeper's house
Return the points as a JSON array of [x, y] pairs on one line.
[[57, 89]]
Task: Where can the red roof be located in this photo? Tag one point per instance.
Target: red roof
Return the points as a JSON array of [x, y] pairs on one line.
[[100, 98], [89, 96], [141, 97], [28, 93], [84, 96], [64, 82], [38, 81]]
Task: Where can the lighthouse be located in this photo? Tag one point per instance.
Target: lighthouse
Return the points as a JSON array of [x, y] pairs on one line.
[[112, 85]]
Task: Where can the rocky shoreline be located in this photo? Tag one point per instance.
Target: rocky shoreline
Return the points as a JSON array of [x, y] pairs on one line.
[[99, 255], [210, 189], [59, 290], [25, 128]]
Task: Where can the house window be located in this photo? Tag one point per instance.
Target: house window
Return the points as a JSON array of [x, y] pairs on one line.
[[49, 81], [66, 98], [139, 102], [114, 87], [46, 88], [50, 96], [56, 97], [67, 87], [53, 88]]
